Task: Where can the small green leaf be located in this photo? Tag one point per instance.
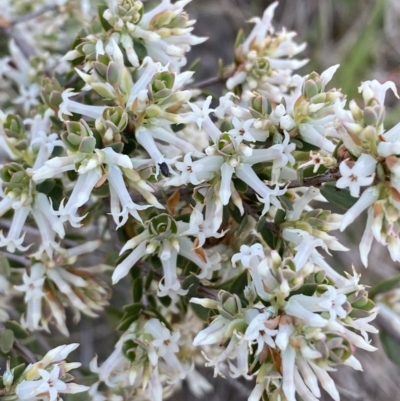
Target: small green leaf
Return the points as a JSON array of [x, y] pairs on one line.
[[124, 325], [5, 265], [305, 289], [239, 39], [87, 144], [266, 231], [78, 397], [391, 346], [238, 285], [385, 286], [137, 290], [280, 216], [338, 197], [194, 65], [201, 312], [190, 283], [18, 330], [6, 341], [18, 370], [140, 49], [104, 23], [46, 186], [133, 309], [285, 202]]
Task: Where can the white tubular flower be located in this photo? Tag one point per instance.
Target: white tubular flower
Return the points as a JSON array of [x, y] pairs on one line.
[[369, 196], [260, 329], [33, 289], [311, 135], [48, 223], [202, 228], [249, 255], [28, 97], [14, 238], [241, 130], [212, 334], [80, 195], [195, 172], [301, 203], [118, 189], [165, 345], [50, 385], [360, 174], [123, 268], [265, 194], [170, 285], [67, 107], [303, 307], [115, 369], [226, 177], [186, 248], [375, 90], [199, 115]]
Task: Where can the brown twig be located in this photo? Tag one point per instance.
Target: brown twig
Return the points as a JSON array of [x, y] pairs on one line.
[[318, 180], [34, 14], [21, 349], [214, 80], [17, 258]]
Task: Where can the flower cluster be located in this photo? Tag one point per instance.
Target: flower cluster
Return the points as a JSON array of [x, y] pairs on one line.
[[109, 147]]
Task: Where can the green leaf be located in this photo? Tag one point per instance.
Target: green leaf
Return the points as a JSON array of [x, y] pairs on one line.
[[191, 283], [391, 346], [78, 397], [280, 217], [338, 197], [124, 325], [267, 233], [46, 186], [235, 212], [133, 309], [239, 39], [239, 283], [201, 312], [104, 23], [140, 49], [385, 286], [17, 329], [137, 290], [305, 289], [285, 202], [87, 144], [194, 65], [6, 341], [18, 370], [5, 265]]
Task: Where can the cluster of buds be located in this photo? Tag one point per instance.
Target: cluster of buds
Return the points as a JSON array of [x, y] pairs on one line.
[[294, 325], [53, 284], [47, 378], [264, 60]]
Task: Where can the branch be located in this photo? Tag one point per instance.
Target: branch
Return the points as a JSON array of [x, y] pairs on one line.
[[25, 48], [21, 349], [318, 180], [17, 258], [7, 26], [34, 14], [214, 80]]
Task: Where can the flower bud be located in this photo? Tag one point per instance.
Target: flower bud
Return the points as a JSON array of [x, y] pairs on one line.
[[8, 376]]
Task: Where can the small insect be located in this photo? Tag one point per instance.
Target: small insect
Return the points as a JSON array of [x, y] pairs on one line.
[[164, 169]]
